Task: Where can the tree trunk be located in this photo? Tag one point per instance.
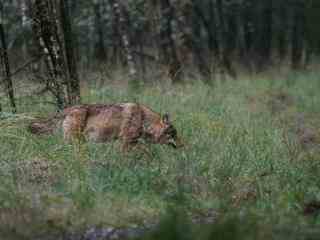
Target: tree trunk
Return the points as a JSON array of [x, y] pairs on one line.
[[167, 44], [24, 22], [73, 85], [119, 11], [116, 57], [225, 53], [193, 40], [283, 31], [263, 43], [248, 25], [298, 34], [312, 30], [100, 50], [212, 31], [196, 41], [232, 25], [6, 65], [47, 38]]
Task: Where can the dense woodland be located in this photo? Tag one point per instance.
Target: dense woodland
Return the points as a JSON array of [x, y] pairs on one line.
[[52, 39]]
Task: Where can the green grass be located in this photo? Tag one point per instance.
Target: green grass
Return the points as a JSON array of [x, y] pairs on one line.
[[244, 156]]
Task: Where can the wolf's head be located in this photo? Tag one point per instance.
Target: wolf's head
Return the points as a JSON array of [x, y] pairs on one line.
[[165, 133]]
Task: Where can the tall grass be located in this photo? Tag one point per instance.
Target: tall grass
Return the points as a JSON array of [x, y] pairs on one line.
[[244, 155]]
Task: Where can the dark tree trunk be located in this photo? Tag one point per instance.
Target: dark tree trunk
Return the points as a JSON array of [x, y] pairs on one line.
[[23, 24], [47, 38], [298, 34], [264, 40], [248, 25], [121, 14], [191, 36], [73, 85], [283, 31], [169, 55], [140, 43], [116, 57], [212, 31], [100, 50], [232, 32], [196, 41], [312, 30], [225, 53], [6, 67]]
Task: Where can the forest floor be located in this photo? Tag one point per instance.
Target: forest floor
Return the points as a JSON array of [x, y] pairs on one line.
[[252, 154]]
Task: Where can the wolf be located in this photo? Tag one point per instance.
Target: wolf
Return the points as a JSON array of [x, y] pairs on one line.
[[128, 122]]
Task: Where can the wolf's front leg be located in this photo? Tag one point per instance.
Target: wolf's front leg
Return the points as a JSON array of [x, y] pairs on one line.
[[73, 125]]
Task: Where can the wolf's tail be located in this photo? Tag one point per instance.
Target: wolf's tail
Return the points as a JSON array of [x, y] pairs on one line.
[[46, 126]]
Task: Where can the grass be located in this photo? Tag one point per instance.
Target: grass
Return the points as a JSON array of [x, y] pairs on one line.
[[246, 157]]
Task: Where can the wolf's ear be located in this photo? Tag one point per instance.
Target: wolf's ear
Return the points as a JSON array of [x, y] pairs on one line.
[[166, 118]]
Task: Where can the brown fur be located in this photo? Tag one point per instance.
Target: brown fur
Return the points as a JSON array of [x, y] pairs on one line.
[[128, 122]]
